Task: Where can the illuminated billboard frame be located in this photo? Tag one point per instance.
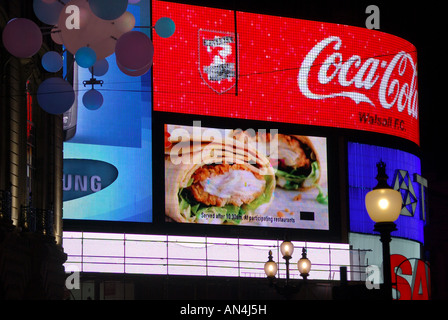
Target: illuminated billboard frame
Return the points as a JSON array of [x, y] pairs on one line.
[[245, 177], [255, 109], [92, 200], [285, 70], [108, 152]]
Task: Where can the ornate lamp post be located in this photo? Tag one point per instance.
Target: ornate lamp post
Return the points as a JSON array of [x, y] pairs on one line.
[[304, 265], [270, 268], [384, 205]]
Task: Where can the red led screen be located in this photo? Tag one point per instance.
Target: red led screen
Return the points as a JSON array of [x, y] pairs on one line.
[[284, 70]]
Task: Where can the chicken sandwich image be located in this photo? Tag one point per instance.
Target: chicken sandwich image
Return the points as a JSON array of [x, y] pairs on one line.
[[224, 182], [295, 159]]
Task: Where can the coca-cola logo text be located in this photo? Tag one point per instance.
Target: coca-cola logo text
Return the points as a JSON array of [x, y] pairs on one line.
[[369, 73]]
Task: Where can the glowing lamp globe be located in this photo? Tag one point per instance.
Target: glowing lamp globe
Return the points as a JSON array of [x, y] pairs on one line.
[[287, 248], [270, 267], [383, 205], [304, 266]]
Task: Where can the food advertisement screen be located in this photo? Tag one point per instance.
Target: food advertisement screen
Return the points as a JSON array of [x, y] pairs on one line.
[[243, 65], [245, 177]]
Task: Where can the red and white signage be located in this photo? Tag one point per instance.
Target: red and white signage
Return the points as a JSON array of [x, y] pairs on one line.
[[418, 287], [284, 70]]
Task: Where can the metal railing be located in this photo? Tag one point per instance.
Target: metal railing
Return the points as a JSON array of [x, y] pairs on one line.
[[37, 220], [202, 256]]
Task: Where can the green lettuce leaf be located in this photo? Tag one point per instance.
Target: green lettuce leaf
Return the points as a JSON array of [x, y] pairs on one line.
[[295, 181], [291, 181], [192, 209]]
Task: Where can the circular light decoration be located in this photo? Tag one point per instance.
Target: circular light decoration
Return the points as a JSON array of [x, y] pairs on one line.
[[55, 95], [52, 61], [165, 27], [125, 23], [108, 10], [56, 35], [48, 11], [98, 34], [100, 68], [134, 50], [92, 99], [85, 57], [133, 73], [22, 38]]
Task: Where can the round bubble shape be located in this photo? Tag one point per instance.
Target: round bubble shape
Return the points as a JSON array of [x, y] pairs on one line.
[[22, 37], [125, 23], [48, 12], [96, 33], [165, 27], [107, 9], [134, 73], [100, 68], [92, 99], [85, 57], [52, 61], [56, 35], [134, 50], [55, 95]]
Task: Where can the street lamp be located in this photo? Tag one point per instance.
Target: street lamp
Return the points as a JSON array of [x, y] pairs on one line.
[[270, 268], [304, 265], [384, 205]]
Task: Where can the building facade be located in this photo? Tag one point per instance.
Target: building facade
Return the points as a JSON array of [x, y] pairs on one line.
[[346, 96], [31, 251], [244, 129]]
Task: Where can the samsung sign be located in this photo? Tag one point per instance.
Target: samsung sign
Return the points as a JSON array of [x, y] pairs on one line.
[[83, 177]]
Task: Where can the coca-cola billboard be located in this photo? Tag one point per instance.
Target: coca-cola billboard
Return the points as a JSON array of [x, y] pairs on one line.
[[285, 70]]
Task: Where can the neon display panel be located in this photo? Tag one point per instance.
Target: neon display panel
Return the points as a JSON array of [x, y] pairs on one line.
[[108, 152], [245, 177], [403, 170], [287, 70]]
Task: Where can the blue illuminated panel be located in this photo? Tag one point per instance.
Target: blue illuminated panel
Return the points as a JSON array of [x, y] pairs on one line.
[[107, 161], [401, 168]]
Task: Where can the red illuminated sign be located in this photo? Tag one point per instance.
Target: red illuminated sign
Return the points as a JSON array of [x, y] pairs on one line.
[[418, 288], [285, 70]]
